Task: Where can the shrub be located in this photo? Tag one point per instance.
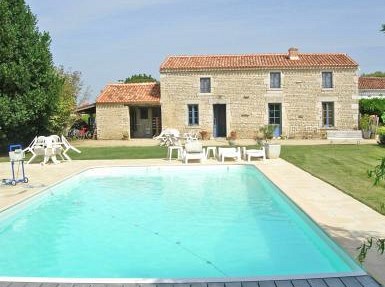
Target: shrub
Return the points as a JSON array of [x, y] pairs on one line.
[[381, 135], [365, 122]]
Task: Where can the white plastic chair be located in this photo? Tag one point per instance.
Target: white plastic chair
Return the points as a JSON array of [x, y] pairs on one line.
[[229, 152], [67, 147], [36, 147], [194, 150], [52, 149]]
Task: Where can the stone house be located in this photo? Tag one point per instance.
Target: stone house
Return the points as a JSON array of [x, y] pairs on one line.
[[300, 93], [126, 111], [371, 87]]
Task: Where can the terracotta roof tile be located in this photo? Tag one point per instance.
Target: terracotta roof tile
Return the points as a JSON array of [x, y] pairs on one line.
[[371, 83], [136, 93], [255, 61]]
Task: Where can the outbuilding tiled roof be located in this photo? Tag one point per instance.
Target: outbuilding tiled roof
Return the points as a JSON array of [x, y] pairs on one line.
[[255, 61], [371, 83], [136, 93]]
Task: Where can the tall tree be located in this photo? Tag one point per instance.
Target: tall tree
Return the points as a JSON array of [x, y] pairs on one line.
[[29, 84], [64, 112], [383, 28], [140, 78]]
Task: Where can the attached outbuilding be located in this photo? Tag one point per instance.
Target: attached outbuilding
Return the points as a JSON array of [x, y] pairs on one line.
[[125, 111]]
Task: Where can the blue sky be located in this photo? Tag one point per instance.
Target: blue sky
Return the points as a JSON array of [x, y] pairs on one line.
[[108, 40]]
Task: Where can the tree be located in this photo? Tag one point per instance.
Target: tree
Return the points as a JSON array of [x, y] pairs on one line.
[[64, 112], [139, 78], [383, 28], [375, 74], [29, 84]]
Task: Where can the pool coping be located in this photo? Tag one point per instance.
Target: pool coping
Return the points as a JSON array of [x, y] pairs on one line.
[[347, 281], [172, 281]]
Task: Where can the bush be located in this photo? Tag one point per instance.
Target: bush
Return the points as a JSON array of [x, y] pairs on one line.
[[374, 106], [365, 122], [381, 135]]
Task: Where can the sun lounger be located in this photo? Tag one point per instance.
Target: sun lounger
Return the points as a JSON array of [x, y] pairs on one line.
[[229, 152], [249, 153]]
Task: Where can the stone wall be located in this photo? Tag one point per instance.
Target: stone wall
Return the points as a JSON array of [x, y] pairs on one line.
[[112, 121], [247, 95]]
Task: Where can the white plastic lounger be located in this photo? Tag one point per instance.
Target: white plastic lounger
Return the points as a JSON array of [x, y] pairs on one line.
[[229, 152], [249, 153]]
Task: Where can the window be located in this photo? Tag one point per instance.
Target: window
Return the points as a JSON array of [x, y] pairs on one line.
[[275, 80], [143, 113], [205, 85], [328, 114], [193, 115], [327, 80]]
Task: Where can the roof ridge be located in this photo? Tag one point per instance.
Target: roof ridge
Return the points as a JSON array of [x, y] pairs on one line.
[[372, 77], [131, 84], [250, 54]]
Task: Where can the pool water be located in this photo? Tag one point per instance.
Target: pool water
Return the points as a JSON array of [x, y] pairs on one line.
[[165, 222]]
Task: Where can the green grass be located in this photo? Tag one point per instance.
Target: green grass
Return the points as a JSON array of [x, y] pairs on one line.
[[343, 166], [120, 153]]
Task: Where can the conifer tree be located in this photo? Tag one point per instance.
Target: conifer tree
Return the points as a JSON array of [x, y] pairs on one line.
[[29, 84]]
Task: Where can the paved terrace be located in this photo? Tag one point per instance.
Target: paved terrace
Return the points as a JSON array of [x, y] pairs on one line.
[[345, 219]]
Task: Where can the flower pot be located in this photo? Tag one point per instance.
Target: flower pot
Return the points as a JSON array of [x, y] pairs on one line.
[[381, 139], [366, 134], [232, 142], [272, 150]]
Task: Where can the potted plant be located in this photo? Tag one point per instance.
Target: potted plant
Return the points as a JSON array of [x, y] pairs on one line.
[[381, 135], [232, 138], [365, 125], [204, 135], [266, 134]]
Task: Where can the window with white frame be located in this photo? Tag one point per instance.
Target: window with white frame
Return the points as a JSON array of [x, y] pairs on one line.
[[193, 115], [205, 85], [275, 80], [328, 114], [327, 80]]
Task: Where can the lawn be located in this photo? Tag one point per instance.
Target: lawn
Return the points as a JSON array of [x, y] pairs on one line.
[[343, 166]]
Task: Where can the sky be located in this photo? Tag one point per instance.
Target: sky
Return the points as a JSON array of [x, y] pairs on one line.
[[110, 40]]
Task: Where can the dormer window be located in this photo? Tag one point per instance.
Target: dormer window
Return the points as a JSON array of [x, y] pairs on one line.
[[327, 80], [275, 80], [205, 85]]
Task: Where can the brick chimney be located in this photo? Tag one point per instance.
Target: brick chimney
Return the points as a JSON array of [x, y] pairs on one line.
[[293, 54]]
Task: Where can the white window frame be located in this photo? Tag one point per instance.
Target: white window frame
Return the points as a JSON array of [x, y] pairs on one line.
[[200, 85], [326, 114], [322, 80], [194, 115], [280, 80]]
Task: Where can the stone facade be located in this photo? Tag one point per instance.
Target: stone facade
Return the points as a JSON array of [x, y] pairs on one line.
[[247, 95], [113, 121], [128, 110]]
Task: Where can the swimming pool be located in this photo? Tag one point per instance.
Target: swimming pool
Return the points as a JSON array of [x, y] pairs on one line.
[[166, 222]]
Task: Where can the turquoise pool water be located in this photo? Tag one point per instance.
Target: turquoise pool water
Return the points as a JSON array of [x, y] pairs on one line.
[[165, 222]]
